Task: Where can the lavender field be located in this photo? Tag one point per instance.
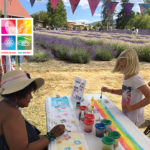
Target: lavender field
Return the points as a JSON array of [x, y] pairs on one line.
[[109, 37], [92, 45]]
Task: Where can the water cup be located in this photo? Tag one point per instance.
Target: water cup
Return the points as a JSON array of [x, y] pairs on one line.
[[107, 143], [77, 105], [89, 116], [107, 123], [88, 125], [100, 129], [82, 112], [115, 135]]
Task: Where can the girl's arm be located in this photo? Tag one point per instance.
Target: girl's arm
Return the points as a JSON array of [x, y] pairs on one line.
[[15, 133], [146, 92], [113, 91]]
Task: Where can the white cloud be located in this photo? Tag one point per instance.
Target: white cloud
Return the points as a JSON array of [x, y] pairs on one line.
[[97, 14], [84, 4], [66, 2]]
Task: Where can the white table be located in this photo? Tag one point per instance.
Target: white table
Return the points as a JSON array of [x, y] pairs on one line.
[[93, 142]]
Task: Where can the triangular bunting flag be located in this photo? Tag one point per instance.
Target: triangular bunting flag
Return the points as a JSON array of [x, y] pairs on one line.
[[111, 7], [144, 8], [127, 7], [54, 4], [32, 2], [74, 4], [93, 5]]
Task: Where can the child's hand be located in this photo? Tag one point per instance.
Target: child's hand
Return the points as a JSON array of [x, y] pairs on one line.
[[127, 108], [104, 89], [148, 83]]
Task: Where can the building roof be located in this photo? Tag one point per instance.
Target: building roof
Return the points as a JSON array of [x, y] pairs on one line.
[[14, 8]]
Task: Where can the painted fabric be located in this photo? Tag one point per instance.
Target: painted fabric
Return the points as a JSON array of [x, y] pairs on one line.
[[144, 8], [127, 7], [32, 2], [93, 5], [54, 4], [74, 4], [132, 95], [111, 7]]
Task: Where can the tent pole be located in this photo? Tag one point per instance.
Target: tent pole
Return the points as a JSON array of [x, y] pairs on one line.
[[7, 64]]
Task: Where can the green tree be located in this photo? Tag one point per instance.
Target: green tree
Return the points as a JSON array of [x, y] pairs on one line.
[[98, 26], [58, 17], [134, 21], [147, 1], [107, 19], [43, 17]]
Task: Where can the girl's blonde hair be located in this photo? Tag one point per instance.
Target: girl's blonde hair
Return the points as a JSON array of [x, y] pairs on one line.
[[132, 65]]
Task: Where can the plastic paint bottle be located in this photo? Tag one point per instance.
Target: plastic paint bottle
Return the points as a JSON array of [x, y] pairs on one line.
[[107, 143], [115, 135]]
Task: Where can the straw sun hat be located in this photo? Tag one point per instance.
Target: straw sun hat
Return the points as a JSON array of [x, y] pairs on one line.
[[17, 80]]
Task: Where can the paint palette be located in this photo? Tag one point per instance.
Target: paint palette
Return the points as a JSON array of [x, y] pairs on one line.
[[16, 36]]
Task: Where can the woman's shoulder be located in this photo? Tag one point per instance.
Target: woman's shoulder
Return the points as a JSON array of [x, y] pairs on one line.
[[8, 111]]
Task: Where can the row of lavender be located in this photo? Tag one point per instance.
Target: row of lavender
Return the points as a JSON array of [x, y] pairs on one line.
[[77, 50]]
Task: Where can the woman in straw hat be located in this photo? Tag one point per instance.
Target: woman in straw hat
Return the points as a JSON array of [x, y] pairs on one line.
[[15, 132]]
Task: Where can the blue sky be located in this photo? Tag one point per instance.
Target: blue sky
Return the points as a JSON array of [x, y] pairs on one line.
[[82, 12]]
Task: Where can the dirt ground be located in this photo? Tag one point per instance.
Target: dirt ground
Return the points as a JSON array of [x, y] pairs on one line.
[[59, 78]]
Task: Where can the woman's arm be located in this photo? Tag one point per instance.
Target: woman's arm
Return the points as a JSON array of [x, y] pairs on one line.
[[146, 92], [112, 91], [14, 130]]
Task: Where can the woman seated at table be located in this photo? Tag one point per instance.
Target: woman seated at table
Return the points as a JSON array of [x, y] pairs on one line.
[[16, 133]]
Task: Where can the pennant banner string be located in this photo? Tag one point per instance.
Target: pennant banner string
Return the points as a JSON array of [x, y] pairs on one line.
[[94, 3]]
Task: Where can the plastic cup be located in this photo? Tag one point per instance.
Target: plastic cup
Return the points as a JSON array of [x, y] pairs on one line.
[[107, 143], [89, 116], [88, 125], [82, 112], [77, 105], [115, 135], [82, 107], [100, 129], [107, 123]]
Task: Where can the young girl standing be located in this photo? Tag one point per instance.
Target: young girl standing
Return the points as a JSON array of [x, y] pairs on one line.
[[135, 93]]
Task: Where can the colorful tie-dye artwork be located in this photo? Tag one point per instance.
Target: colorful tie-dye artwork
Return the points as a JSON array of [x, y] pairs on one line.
[[70, 141], [16, 36]]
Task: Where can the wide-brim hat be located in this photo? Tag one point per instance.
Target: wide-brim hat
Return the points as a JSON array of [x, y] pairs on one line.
[[17, 80]]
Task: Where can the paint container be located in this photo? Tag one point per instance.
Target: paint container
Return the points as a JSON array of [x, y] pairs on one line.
[[89, 116], [82, 112], [115, 135], [77, 105], [88, 125], [107, 143], [107, 123], [100, 129]]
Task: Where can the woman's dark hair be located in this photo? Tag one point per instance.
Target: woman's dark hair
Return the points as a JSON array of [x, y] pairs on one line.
[[24, 92]]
